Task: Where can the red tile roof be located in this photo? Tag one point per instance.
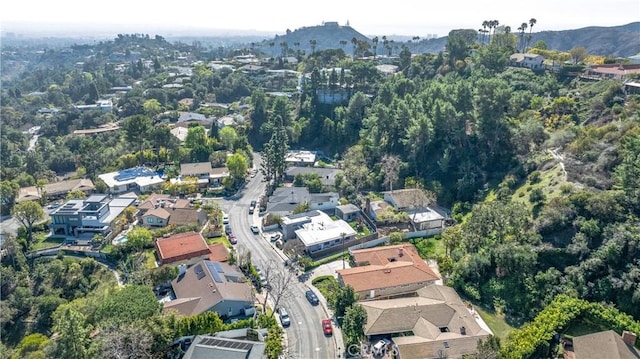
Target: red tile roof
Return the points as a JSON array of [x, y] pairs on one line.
[[219, 253], [181, 246], [385, 267]]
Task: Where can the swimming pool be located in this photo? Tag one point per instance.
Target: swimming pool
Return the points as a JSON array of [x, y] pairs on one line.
[[120, 240]]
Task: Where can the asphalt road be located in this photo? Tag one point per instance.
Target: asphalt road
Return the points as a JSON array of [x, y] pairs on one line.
[[304, 336]]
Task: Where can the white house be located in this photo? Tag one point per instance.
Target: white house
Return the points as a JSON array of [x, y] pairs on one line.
[[528, 60], [141, 178], [318, 231]]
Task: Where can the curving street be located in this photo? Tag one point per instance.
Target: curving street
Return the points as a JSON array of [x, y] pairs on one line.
[[305, 338]]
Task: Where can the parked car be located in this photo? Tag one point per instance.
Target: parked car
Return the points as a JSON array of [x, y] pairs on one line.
[[227, 229], [255, 229], [232, 238], [284, 317], [378, 348], [252, 206], [326, 327], [312, 297], [225, 218], [275, 237]]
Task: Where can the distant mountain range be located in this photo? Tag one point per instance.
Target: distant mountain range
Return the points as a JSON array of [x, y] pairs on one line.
[[615, 41]]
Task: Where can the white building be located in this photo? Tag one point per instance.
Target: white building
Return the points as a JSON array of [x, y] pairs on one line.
[[140, 178], [528, 60], [300, 158], [318, 231]]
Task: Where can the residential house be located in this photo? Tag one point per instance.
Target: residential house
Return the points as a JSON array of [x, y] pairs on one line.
[[383, 272], [250, 346], [605, 344], [160, 210], [136, 178], [187, 248], [416, 204], [433, 324], [285, 199], [613, 71], [348, 212], [327, 175], [55, 190], [317, 231], [300, 158], [92, 215], [527, 60], [212, 286], [102, 105], [180, 133], [206, 175]]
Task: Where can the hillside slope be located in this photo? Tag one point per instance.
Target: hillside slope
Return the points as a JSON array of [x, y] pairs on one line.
[[617, 41], [327, 36]]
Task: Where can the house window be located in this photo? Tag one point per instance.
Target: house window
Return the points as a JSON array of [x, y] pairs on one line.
[[149, 219]]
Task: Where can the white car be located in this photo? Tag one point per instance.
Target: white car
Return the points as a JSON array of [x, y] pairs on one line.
[[255, 229], [225, 218]]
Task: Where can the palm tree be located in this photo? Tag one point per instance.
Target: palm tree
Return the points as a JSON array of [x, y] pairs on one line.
[[375, 47], [313, 44], [485, 24], [343, 43], [532, 22], [416, 39], [297, 45], [354, 41], [522, 28]]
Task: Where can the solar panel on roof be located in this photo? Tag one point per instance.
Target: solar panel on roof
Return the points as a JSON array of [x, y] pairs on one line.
[[218, 267], [216, 276], [199, 272], [226, 343]]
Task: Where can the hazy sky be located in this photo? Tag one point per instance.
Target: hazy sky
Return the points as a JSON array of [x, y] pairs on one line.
[[399, 17]]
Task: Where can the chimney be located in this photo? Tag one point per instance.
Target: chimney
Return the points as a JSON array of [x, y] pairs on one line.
[[463, 330], [400, 252], [629, 337], [182, 269]]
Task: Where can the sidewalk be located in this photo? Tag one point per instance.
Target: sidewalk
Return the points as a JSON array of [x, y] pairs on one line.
[[329, 269]]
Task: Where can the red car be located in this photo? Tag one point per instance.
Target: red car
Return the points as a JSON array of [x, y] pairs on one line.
[[326, 327], [232, 239]]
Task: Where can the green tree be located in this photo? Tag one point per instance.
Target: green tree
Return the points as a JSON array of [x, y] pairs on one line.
[[344, 299], [137, 129], [8, 193], [73, 333], [274, 155], [199, 143], [578, 54], [128, 304], [355, 319], [28, 213], [152, 107], [138, 238], [237, 164], [228, 137]]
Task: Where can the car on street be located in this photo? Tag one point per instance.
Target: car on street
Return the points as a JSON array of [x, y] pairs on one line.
[[326, 327], [225, 218], [255, 229], [312, 297], [232, 239], [275, 237], [284, 317], [252, 206], [227, 229]]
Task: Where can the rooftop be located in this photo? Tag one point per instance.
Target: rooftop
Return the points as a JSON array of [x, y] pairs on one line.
[[387, 266], [180, 245], [322, 228]]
